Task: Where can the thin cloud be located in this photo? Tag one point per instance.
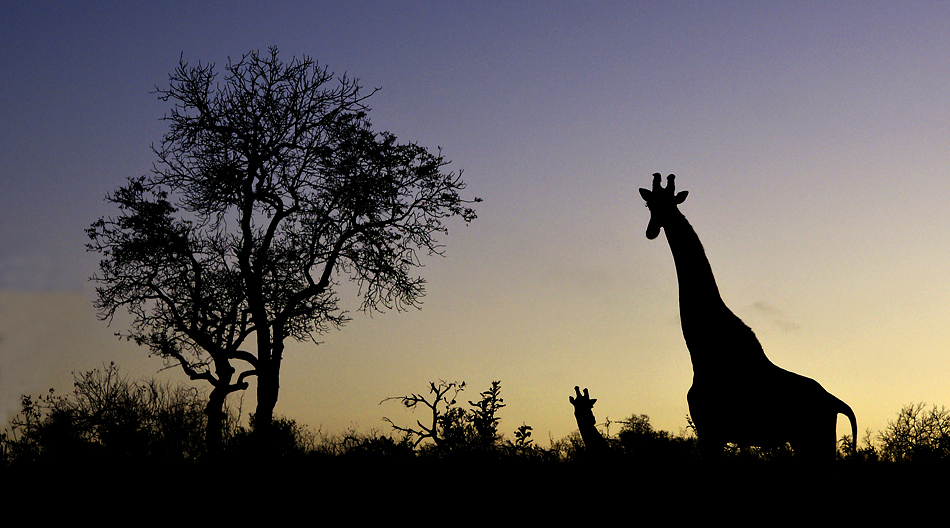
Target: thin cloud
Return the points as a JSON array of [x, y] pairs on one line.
[[775, 316]]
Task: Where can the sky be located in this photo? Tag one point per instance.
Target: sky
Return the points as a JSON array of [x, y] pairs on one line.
[[812, 137]]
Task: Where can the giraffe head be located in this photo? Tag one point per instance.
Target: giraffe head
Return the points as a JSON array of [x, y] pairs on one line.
[[661, 202], [583, 406]]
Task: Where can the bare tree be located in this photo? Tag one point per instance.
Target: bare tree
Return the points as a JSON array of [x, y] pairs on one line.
[[270, 187], [917, 434], [441, 408]]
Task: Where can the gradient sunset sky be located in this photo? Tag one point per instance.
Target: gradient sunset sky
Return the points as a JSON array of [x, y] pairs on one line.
[[813, 138]]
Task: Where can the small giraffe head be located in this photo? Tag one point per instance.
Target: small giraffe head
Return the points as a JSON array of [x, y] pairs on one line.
[[583, 405], [661, 203]]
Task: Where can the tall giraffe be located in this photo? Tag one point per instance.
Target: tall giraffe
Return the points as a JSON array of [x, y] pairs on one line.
[[737, 395]]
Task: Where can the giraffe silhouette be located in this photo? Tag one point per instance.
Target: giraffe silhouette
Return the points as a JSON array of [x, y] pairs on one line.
[[586, 423], [737, 395]]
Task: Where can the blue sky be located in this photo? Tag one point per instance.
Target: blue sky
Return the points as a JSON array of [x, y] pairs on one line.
[[812, 137]]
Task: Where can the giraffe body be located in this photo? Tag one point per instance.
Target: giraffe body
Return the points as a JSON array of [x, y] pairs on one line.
[[738, 395]]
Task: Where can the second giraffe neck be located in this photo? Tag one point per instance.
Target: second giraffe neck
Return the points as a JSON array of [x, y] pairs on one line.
[[586, 425], [697, 284]]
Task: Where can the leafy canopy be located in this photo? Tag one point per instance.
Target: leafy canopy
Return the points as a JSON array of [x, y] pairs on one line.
[[270, 184]]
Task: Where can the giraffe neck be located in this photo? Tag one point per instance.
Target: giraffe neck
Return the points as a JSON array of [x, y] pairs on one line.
[[586, 425], [720, 344], [697, 284]]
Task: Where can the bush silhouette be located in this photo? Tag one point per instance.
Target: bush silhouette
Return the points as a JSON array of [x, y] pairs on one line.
[[109, 419], [108, 416], [917, 435]]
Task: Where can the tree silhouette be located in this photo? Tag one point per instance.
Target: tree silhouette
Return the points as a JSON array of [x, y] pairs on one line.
[[485, 418], [917, 435], [445, 417], [270, 187], [454, 429]]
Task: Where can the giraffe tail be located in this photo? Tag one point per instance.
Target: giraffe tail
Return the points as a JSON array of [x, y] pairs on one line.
[[845, 409]]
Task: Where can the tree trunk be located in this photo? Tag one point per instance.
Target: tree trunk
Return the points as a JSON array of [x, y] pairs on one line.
[[268, 387], [214, 431]]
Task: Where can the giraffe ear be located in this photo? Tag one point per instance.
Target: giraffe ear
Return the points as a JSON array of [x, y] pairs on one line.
[[681, 197], [592, 402], [645, 194]]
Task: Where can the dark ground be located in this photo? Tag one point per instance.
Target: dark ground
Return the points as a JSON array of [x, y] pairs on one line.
[[448, 492]]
